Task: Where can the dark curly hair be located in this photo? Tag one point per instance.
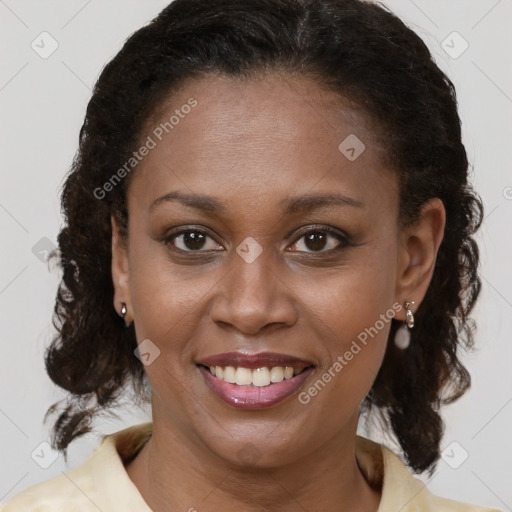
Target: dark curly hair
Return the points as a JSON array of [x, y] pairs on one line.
[[364, 53]]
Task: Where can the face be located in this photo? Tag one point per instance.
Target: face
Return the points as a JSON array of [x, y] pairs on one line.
[[262, 251]]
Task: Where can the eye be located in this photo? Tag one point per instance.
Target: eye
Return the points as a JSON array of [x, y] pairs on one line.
[[192, 240], [318, 239]]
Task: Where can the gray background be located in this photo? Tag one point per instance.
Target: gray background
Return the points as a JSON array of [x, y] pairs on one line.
[[42, 104]]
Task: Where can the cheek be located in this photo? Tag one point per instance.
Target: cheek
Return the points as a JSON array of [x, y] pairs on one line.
[[353, 297], [167, 310], [354, 311], [166, 299]]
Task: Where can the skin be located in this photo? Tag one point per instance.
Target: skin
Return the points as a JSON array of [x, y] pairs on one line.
[[251, 144]]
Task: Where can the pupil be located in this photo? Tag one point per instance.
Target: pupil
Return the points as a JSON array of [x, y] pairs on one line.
[[315, 241], [193, 240]]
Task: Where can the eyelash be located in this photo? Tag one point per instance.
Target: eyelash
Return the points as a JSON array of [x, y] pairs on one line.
[[343, 239]]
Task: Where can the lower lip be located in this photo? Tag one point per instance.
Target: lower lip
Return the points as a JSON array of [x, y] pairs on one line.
[[245, 397]]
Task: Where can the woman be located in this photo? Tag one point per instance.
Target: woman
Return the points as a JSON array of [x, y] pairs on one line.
[[269, 231]]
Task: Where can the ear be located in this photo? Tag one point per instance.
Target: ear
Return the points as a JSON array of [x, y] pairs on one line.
[[120, 272], [417, 253]]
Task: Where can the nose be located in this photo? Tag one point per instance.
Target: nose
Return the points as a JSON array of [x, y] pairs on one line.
[[254, 295]]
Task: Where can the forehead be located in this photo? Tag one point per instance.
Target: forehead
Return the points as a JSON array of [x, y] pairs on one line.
[[266, 136]]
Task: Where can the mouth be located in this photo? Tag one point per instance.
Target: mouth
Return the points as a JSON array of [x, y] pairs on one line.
[[254, 381]]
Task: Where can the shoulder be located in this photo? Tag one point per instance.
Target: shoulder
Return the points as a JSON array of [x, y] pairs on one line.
[[59, 494], [400, 489], [100, 483]]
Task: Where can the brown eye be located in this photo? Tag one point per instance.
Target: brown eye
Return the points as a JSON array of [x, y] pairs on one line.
[[315, 241], [319, 239], [192, 240]]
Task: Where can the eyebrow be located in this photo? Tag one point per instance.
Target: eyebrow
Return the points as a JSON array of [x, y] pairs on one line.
[[310, 202], [291, 205], [199, 201]]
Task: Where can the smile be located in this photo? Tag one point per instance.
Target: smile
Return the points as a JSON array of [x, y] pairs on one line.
[[254, 381], [260, 377]]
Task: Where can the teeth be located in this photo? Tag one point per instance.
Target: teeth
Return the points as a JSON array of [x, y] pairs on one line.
[[229, 374], [260, 377], [243, 376], [277, 374]]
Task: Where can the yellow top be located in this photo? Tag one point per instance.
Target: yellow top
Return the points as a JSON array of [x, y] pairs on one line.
[[102, 483]]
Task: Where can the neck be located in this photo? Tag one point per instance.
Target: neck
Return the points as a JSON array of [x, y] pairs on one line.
[[172, 472]]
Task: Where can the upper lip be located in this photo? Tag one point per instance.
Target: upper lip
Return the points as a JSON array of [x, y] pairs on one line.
[[253, 361]]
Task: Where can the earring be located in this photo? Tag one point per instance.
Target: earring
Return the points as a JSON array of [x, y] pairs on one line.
[[124, 311], [403, 334]]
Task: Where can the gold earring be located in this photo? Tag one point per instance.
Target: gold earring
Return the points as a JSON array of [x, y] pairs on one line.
[[409, 317]]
